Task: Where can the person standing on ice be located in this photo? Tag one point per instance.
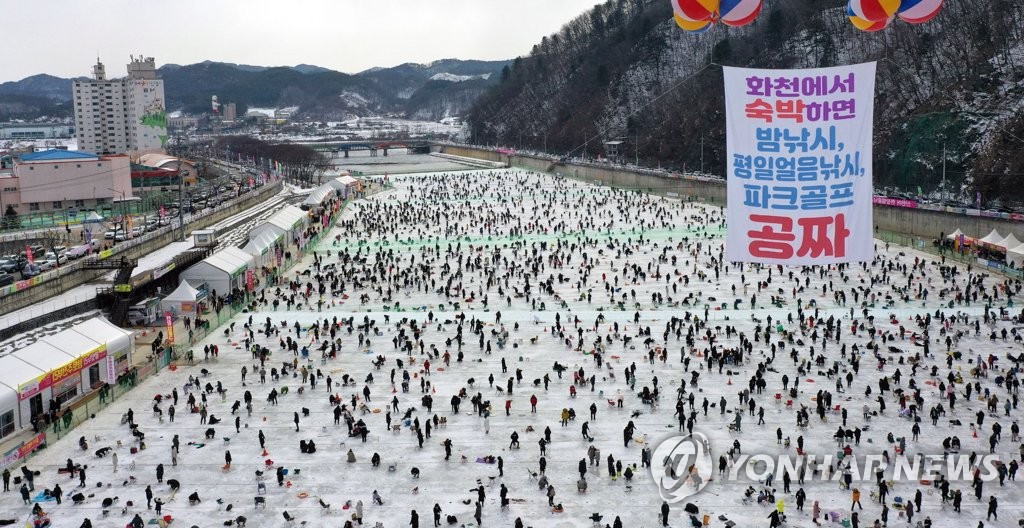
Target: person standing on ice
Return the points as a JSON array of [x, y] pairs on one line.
[[414, 520]]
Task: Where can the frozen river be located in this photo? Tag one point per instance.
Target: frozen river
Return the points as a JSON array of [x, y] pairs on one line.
[[544, 281]]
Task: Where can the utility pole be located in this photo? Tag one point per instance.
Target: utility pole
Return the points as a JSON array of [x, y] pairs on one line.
[[181, 206], [702, 153], [944, 171]]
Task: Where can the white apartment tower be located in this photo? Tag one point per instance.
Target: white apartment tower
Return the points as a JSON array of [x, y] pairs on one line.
[[124, 115]]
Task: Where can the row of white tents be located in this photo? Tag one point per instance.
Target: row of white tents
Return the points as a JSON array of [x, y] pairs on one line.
[[1009, 244], [341, 187], [230, 268]]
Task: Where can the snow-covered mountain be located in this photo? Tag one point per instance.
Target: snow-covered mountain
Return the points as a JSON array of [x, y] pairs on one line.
[[625, 71]]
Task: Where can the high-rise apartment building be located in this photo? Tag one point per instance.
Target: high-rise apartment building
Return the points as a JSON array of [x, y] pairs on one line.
[[127, 115]]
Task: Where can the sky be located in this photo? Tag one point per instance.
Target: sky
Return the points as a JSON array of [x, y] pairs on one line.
[[344, 35]]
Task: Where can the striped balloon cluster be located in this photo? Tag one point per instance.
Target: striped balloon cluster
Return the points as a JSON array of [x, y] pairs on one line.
[[697, 16], [874, 15]]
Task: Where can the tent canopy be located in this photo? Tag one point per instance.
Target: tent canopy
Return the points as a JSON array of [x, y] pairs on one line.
[[230, 260], [955, 234], [992, 238], [44, 356], [16, 371], [1015, 256], [319, 195], [288, 218], [102, 331], [261, 242], [73, 343], [1009, 242], [183, 293]]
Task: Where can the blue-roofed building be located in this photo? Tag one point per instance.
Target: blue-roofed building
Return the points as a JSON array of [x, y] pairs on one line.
[[65, 180], [57, 155]]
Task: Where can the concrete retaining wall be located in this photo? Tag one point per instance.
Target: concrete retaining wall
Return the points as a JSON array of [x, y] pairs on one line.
[[920, 223]]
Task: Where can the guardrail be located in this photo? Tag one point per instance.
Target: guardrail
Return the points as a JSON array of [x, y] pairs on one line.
[[127, 245]]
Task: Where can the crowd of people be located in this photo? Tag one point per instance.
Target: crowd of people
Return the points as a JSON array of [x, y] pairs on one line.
[[583, 325]]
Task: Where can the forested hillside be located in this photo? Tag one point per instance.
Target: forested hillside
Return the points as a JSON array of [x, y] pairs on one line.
[[625, 71]]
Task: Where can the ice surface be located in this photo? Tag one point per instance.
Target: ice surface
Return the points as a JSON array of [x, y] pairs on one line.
[[631, 241]]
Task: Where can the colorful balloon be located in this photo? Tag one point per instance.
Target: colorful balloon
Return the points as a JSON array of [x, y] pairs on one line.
[[919, 11], [693, 26], [738, 12], [695, 10], [873, 10], [867, 25]]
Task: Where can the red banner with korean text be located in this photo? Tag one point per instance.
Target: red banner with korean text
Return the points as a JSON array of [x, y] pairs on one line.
[[170, 327], [799, 164], [35, 386]]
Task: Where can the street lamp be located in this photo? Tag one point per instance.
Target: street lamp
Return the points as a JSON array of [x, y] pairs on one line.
[[67, 221], [122, 213]]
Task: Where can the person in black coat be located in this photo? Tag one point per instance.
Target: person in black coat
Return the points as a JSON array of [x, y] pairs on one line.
[[414, 520], [664, 513]]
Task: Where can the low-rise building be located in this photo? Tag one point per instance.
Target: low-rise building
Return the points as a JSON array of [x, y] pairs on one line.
[[58, 180], [36, 130]]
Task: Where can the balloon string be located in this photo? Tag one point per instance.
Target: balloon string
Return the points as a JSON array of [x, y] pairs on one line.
[[644, 106]]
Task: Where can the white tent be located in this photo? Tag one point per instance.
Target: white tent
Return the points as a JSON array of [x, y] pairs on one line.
[[120, 344], [1009, 242], [223, 271], [183, 300], [955, 234], [48, 358], [992, 238], [1015, 256], [261, 247], [286, 223], [319, 195], [343, 184], [63, 366], [17, 376]]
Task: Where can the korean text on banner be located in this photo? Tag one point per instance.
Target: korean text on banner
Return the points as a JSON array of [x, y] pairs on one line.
[[170, 327], [799, 164]]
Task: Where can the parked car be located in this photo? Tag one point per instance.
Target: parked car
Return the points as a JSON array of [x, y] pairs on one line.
[[8, 265], [46, 265], [29, 271], [78, 252], [6, 279]]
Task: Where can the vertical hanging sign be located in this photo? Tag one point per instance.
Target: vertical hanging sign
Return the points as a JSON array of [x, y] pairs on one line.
[[799, 164]]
